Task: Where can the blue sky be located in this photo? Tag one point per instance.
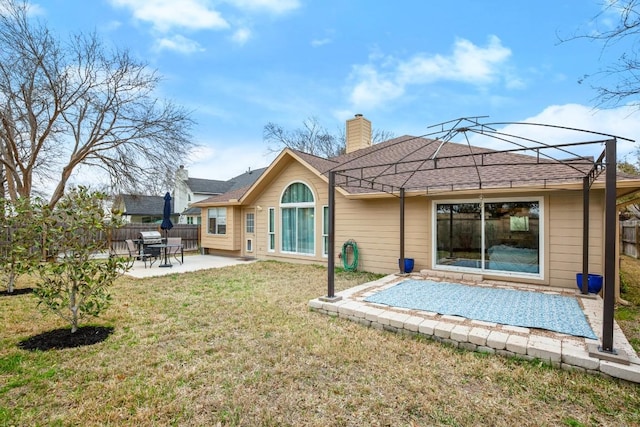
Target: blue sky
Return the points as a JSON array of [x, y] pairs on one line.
[[405, 65]]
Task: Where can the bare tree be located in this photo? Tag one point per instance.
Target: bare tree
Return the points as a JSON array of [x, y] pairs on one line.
[[312, 138], [624, 70], [76, 103]]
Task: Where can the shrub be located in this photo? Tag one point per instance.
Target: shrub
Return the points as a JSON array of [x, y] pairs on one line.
[[74, 281]]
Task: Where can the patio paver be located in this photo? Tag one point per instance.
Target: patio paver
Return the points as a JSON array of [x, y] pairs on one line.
[[567, 352]]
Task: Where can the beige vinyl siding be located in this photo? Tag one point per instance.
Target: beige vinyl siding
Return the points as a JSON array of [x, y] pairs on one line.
[[223, 242], [375, 226], [373, 223], [565, 236], [270, 197]]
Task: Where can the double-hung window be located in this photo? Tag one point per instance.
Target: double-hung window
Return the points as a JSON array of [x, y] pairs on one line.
[[217, 221], [297, 209], [271, 231], [325, 230]]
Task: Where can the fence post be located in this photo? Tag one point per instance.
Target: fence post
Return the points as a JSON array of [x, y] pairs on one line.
[[637, 239]]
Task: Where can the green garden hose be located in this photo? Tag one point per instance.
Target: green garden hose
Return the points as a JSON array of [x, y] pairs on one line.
[[353, 265]]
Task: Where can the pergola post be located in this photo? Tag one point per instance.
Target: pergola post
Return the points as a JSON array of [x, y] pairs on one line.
[[610, 218], [401, 262], [331, 252]]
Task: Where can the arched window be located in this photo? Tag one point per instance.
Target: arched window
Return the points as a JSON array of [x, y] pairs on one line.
[[298, 226]]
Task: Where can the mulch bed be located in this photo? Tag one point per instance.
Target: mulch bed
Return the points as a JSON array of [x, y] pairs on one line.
[[16, 292], [63, 338]]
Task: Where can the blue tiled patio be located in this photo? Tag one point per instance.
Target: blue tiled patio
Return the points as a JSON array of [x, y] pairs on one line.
[[561, 350]]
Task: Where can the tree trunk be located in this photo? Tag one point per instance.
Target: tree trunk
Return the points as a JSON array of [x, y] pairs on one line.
[[12, 282], [74, 311]]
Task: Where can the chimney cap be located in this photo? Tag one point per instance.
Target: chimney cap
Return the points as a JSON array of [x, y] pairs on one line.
[[358, 115]]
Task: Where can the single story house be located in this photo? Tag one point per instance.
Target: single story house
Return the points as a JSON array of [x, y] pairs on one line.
[[509, 215]]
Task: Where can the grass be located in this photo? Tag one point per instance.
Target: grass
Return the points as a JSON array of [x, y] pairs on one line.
[[238, 346], [628, 316]]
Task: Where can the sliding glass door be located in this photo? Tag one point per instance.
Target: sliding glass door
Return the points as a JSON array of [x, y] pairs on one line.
[[459, 234], [493, 235]]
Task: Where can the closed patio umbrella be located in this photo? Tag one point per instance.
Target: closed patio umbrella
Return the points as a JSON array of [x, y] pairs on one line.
[[166, 224]]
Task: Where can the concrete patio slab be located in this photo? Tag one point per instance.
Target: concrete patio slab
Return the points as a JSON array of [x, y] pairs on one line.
[[191, 263]]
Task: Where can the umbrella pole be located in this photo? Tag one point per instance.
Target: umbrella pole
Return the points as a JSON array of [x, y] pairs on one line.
[[165, 263]]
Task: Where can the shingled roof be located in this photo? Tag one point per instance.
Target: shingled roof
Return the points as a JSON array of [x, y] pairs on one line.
[[215, 187], [208, 186], [245, 180], [419, 163], [142, 205], [434, 166]]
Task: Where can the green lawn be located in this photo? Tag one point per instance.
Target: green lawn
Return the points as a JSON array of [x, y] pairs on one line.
[[628, 316], [238, 346]]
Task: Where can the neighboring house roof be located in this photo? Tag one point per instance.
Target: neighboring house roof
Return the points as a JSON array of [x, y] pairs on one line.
[[207, 186], [214, 187], [142, 205], [238, 186], [191, 212]]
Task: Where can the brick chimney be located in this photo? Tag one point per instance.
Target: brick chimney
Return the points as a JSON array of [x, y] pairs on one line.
[[358, 133]]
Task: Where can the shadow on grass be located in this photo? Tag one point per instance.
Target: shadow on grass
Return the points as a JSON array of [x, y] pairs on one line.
[[63, 338], [16, 292]]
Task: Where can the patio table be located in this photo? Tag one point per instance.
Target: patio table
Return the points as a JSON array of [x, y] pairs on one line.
[[165, 259]]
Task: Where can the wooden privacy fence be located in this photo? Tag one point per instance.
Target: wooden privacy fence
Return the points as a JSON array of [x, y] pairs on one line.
[[630, 238], [190, 234]]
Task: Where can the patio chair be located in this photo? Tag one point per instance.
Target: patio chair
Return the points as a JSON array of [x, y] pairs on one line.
[[143, 256], [173, 251]]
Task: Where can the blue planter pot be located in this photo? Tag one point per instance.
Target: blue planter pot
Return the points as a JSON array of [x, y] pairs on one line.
[[408, 265], [594, 282]]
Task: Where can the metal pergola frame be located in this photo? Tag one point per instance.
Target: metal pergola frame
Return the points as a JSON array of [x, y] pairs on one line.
[[384, 178]]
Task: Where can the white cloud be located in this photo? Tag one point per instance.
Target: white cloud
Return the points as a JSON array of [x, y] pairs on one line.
[[33, 9], [320, 42], [374, 88], [165, 15], [271, 6], [208, 162], [622, 122], [467, 63], [112, 25], [179, 44], [241, 36]]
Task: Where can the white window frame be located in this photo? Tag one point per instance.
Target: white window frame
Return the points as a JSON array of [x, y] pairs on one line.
[[271, 230], [541, 235], [218, 224], [325, 233], [297, 206], [247, 222], [249, 245]]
